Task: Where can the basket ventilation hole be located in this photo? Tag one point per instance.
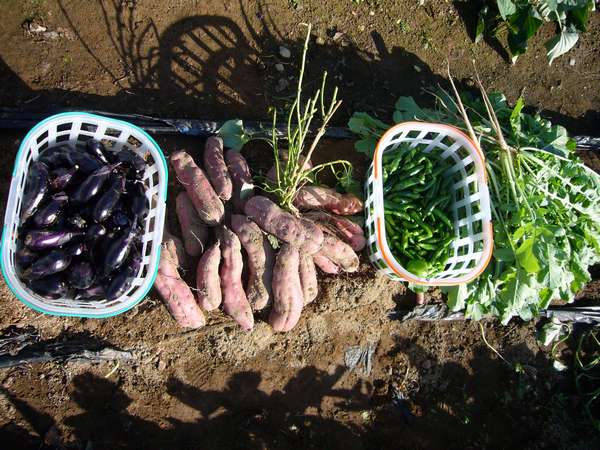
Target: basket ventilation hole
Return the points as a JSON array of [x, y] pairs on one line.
[[64, 126], [134, 142], [90, 127], [42, 136], [113, 132]]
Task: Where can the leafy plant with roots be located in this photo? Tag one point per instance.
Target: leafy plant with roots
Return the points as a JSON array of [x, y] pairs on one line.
[[298, 140]]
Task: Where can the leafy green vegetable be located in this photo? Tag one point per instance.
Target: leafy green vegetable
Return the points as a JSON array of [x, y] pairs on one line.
[[523, 19], [545, 207]]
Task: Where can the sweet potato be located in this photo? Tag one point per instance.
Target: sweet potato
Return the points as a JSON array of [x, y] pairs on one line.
[[216, 169], [175, 247], [348, 231], [313, 237], [340, 253], [325, 264], [207, 278], [175, 292], [260, 260], [318, 197], [203, 196], [275, 220], [239, 171], [288, 298], [308, 278], [235, 303], [193, 230]]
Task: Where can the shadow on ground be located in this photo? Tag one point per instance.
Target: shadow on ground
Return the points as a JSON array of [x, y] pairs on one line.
[[485, 404]]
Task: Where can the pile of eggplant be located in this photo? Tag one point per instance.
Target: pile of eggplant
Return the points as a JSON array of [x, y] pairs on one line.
[[82, 217]]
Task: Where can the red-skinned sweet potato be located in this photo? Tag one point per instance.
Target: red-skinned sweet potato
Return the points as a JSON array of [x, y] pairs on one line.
[[351, 233], [235, 302], [313, 237], [340, 253], [308, 278], [175, 247], [318, 197], [325, 264], [193, 230], [260, 260], [207, 278], [275, 220], [175, 292], [208, 205], [241, 178], [288, 298], [216, 169]]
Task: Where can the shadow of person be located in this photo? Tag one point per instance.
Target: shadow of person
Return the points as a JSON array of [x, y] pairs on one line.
[[105, 420], [14, 436], [244, 416]]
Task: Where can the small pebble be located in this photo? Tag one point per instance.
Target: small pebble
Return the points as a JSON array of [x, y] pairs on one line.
[[279, 67], [371, 13], [572, 62], [320, 41], [361, 28], [285, 52]]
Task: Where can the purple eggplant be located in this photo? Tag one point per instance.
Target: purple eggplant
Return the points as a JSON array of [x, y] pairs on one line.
[[46, 239], [77, 249], [54, 262], [84, 161], [61, 177], [76, 221], [96, 149], [48, 215], [118, 250], [138, 203], [55, 157], [36, 188], [52, 286], [107, 201], [93, 233], [120, 220], [81, 275], [25, 257], [91, 185], [132, 160], [121, 282], [92, 293]]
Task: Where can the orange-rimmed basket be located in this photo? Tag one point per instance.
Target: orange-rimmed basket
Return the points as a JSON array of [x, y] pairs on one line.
[[471, 250]]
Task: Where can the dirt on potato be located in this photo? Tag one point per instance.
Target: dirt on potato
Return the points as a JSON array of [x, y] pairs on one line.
[[434, 385]]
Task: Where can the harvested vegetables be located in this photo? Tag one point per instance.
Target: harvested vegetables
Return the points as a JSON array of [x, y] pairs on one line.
[[417, 208], [73, 195], [545, 203], [261, 251]]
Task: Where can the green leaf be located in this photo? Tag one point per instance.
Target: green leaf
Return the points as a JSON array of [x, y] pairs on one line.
[[515, 115], [409, 109], [504, 254], [233, 134], [457, 296], [561, 44], [506, 8], [366, 146], [526, 257], [579, 16], [522, 25]]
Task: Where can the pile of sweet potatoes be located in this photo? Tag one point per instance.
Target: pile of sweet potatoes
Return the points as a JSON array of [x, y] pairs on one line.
[[225, 230]]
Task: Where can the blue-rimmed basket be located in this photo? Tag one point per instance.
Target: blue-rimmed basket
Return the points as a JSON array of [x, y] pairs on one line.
[[72, 128]]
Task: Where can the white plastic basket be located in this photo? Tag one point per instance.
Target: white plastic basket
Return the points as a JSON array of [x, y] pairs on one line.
[[471, 249], [70, 128]]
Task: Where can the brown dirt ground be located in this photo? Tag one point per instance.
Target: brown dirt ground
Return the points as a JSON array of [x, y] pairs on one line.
[[220, 387]]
